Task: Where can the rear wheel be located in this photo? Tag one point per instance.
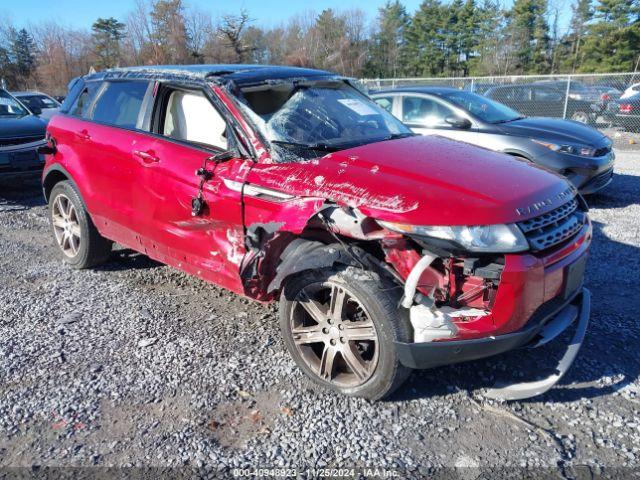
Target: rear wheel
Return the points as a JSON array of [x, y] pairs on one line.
[[340, 327], [75, 234]]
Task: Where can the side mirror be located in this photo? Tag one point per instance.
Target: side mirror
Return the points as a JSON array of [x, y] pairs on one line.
[[225, 156], [458, 122], [36, 110]]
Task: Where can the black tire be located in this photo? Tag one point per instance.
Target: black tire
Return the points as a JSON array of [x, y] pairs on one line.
[[93, 249], [380, 298]]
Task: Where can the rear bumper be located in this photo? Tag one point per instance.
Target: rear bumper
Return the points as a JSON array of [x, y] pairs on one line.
[[547, 323]]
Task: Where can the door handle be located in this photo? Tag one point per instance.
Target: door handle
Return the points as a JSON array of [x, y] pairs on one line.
[[83, 134], [147, 157]]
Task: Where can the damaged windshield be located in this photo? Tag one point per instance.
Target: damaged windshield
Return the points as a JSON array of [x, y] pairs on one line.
[[319, 116]]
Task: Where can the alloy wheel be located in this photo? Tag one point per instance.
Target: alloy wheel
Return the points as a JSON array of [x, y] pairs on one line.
[[66, 226], [334, 334]]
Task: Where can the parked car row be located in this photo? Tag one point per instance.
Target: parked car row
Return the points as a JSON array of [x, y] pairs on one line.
[[386, 250], [585, 103]]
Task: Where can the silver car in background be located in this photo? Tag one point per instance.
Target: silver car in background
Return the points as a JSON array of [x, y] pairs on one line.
[[39, 103], [575, 150]]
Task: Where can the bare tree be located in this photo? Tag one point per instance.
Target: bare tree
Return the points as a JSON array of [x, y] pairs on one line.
[[199, 30], [231, 31]]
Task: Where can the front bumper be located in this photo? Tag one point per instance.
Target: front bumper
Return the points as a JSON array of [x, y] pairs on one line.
[[21, 162], [590, 174], [549, 321], [597, 182]]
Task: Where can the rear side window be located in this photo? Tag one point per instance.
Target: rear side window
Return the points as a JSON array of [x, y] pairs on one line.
[[522, 94], [119, 103], [80, 106], [547, 95]]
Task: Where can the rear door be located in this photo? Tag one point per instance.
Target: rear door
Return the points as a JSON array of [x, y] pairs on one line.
[[186, 130], [107, 140]]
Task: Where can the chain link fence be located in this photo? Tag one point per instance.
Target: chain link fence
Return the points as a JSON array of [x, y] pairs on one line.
[[607, 101]]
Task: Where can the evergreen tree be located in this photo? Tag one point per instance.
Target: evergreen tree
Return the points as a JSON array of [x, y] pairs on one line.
[[613, 39], [106, 37], [529, 34], [23, 54], [7, 70], [541, 51], [491, 49], [169, 36], [424, 54], [388, 41]]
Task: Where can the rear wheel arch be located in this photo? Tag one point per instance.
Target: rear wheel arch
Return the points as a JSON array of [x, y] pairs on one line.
[[55, 175]]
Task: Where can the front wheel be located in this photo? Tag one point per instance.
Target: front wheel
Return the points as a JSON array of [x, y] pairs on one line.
[[340, 327]]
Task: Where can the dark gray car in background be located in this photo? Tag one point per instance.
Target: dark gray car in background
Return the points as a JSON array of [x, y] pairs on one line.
[[21, 134], [577, 151]]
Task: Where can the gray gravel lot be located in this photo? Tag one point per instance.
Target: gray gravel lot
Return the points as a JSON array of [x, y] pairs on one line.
[[135, 363]]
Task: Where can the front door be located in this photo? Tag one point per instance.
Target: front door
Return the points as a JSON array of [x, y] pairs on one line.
[[187, 131], [426, 115]]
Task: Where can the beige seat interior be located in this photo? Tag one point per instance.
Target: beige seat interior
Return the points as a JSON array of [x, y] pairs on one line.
[[191, 117]]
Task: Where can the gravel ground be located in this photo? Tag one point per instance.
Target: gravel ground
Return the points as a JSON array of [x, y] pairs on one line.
[[137, 364]]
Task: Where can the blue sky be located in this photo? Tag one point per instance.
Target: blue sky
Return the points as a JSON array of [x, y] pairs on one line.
[[82, 13]]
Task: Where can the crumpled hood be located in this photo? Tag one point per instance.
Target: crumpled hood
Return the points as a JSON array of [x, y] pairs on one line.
[[555, 130], [424, 181]]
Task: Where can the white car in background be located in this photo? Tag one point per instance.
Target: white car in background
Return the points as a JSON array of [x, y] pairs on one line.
[[37, 101], [631, 91]]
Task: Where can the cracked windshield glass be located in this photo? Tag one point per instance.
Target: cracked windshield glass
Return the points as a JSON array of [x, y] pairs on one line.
[[321, 116]]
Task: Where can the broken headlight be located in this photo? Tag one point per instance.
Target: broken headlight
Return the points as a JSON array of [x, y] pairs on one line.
[[502, 238]]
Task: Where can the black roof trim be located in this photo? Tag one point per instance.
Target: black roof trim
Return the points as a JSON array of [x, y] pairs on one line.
[[239, 74]]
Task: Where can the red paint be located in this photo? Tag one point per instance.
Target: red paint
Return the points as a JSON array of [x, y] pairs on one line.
[[138, 189], [421, 181]]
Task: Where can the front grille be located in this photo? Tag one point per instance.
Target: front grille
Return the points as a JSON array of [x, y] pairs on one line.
[[554, 227], [7, 142]]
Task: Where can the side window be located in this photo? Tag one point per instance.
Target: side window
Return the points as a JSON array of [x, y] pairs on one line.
[[189, 116], [80, 107], [385, 102], [522, 94], [501, 94], [119, 103], [425, 112], [547, 95]]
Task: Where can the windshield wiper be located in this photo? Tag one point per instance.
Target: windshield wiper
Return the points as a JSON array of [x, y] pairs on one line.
[[395, 136], [508, 120], [313, 146]]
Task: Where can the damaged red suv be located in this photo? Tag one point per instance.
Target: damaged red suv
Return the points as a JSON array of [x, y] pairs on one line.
[[387, 251]]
